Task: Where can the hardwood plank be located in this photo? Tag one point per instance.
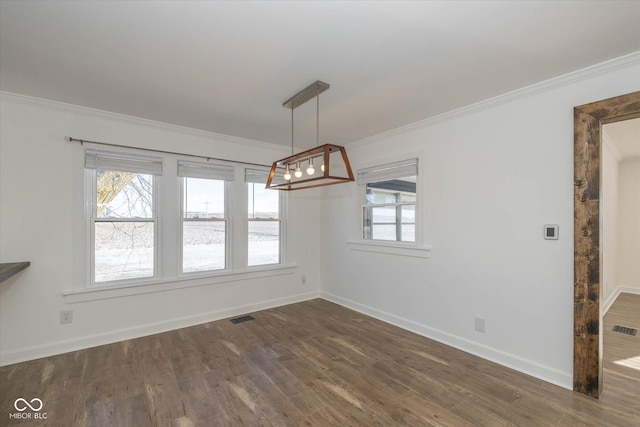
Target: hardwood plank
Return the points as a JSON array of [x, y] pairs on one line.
[[313, 363]]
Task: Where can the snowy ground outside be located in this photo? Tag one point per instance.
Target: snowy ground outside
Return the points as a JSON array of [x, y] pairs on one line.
[[125, 250]]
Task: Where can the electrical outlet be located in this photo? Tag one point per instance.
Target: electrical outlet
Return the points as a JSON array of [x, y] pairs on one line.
[[304, 280], [66, 316], [480, 324]]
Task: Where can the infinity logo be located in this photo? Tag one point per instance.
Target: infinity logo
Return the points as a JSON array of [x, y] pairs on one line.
[[27, 404]]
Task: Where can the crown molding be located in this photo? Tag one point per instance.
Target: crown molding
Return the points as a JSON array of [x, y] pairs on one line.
[[536, 88], [123, 118]]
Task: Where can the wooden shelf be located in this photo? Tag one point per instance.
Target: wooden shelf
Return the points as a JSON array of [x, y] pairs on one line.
[[10, 269]]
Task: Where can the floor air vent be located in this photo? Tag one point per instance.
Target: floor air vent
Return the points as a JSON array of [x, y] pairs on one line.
[[625, 330], [244, 319]]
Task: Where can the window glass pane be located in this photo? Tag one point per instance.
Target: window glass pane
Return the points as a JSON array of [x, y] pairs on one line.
[[262, 203], [264, 225], [407, 197], [408, 213], [124, 195], [380, 197], [204, 237], [203, 246], [264, 242], [383, 232], [203, 198], [408, 232], [123, 250], [408, 223], [384, 215]]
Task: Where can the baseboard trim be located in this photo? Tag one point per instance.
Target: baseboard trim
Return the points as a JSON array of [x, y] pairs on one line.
[[60, 347], [529, 367], [612, 298]]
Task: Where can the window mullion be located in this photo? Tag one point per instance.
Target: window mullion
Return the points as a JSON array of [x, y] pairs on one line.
[[399, 223]]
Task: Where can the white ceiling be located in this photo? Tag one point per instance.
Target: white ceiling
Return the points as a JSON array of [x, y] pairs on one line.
[[625, 136], [227, 67]]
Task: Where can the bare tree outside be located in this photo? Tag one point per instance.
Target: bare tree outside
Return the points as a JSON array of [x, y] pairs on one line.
[[125, 226]]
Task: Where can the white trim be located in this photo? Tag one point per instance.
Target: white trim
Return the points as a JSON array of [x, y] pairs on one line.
[[96, 293], [64, 346], [123, 118], [391, 248], [615, 294], [529, 367], [536, 88]]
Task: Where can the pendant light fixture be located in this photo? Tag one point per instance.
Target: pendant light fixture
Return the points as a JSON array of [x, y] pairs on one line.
[[335, 167]]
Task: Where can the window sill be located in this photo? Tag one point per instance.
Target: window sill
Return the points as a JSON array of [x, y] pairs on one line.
[[105, 292], [391, 248]]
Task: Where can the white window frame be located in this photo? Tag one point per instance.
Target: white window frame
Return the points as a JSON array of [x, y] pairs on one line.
[[396, 168], [168, 235], [127, 161], [189, 169]]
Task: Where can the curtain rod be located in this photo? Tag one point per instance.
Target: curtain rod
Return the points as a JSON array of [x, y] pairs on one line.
[[82, 141]]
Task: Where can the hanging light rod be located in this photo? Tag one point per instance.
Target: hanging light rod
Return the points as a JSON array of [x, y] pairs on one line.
[[335, 167]]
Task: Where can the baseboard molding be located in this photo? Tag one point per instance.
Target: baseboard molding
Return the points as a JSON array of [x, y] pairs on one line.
[[60, 347], [529, 367], [612, 298]]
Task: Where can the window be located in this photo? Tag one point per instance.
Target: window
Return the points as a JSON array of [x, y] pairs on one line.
[[205, 219], [168, 221], [389, 202], [124, 223], [264, 223]]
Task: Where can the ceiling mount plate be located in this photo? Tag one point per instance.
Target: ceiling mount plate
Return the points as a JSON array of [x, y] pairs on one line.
[[306, 94]]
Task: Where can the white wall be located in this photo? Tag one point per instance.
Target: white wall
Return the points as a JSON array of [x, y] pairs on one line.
[[491, 176], [609, 219], [629, 225], [41, 221]]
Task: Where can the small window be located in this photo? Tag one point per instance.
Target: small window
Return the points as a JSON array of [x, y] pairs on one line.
[[123, 217], [205, 218], [264, 220], [389, 203]]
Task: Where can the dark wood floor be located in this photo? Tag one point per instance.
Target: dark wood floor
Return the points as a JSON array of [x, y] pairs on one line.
[[313, 363], [621, 362]]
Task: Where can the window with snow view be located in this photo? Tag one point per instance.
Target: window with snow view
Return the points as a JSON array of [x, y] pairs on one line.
[[123, 217], [205, 222], [264, 227], [175, 220]]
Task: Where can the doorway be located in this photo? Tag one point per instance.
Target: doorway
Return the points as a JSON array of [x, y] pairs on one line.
[[620, 252], [587, 325]]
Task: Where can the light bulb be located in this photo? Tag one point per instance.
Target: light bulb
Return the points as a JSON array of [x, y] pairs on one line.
[[310, 168], [298, 172], [322, 166], [287, 174]]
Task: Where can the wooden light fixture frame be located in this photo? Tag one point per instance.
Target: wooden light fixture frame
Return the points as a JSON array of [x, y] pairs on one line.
[[324, 178], [319, 152]]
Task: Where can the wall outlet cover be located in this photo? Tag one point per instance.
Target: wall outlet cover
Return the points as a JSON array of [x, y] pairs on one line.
[[66, 316]]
